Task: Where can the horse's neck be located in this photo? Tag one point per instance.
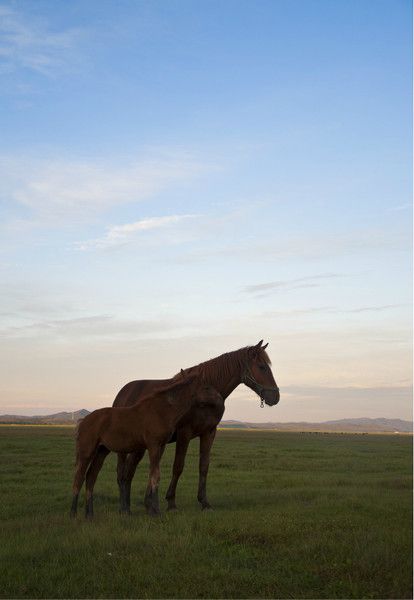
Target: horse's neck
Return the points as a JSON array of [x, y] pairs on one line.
[[227, 381], [229, 386]]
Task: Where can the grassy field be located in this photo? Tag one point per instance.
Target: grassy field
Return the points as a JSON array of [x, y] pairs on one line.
[[296, 516]]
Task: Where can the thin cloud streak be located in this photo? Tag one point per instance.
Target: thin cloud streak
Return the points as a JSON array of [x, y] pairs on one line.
[[343, 391], [120, 235], [307, 248], [399, 208], [66, 192], [373, 308], [32, 45], [333, 310], [102, 326], [318, 403], [290, 284]]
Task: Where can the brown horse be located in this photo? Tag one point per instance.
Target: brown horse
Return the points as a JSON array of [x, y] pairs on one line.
[[249, 365], [147, 425]]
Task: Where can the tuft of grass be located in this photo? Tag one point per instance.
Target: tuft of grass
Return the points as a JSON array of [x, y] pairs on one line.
[[296, 516]]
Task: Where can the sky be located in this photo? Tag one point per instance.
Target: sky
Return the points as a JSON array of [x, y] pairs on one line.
[[181, 179]]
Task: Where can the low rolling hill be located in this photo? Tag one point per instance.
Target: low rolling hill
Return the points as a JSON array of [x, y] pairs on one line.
[[343, 425]]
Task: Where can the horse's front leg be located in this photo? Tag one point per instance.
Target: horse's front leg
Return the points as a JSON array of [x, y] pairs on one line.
[[206, 441], [181, 447]]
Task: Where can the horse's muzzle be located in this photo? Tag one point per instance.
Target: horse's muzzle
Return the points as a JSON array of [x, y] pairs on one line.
[[271, 396]]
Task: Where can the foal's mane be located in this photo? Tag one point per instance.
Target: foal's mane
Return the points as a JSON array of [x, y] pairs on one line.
[[223, 366], [181, 382]]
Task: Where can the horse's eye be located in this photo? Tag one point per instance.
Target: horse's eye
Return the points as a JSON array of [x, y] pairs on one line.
[[262, 367]]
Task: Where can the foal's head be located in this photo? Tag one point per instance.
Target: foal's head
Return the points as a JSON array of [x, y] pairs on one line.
[[206, 394]]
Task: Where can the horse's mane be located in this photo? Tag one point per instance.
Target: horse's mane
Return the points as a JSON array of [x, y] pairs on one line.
[[226, 364]]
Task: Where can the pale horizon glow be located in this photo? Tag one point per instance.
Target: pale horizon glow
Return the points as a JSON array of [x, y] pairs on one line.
[[180, 180]]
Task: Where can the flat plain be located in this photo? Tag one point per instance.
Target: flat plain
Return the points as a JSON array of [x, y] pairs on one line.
[[295, 516]]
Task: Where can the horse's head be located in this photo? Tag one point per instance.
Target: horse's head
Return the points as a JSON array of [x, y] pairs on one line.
[[258, 375]]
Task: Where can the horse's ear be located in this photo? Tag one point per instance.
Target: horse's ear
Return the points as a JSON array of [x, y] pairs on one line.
[[182, 373], [265, 346], [254, 350]]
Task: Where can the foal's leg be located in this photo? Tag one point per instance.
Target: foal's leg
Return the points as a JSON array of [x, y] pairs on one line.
[[82, 463], [126, 472], [206, 441], [151, 497], [91, 475], [181, 447]]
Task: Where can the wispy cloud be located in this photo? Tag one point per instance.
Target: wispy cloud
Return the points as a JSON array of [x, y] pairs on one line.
[[30, 43], [295, 312], [308, 247], [263, 289], [400, 208], [60, 191], [350, 392], [363, 309], [120, 235], [102, 326]]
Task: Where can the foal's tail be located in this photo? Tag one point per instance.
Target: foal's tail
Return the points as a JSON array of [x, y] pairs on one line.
[[76, 435], [76, 432]]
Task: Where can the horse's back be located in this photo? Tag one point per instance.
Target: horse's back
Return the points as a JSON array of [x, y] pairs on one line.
[[133, 391]]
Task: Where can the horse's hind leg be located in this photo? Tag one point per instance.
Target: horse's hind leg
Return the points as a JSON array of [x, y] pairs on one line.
[[120, 477], [82, 463], [91, 475]]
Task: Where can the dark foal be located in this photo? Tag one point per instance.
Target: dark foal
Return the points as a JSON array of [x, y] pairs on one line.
[[147, 425], [250, 365]]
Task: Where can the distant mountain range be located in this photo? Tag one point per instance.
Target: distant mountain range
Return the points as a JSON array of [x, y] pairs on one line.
[[343, 425], [61, 418]]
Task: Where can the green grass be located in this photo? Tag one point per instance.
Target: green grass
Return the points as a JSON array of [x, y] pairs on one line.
[[296, 516]]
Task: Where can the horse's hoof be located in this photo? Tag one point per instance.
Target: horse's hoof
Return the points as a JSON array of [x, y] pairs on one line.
[[73, 514], [207, 507], [152, 512], [172, 508], [124, 512]]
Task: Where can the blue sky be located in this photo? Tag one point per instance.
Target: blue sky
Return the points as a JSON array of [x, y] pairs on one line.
[[181, 179]]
